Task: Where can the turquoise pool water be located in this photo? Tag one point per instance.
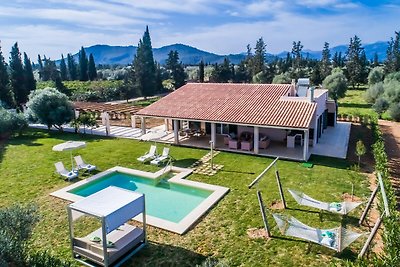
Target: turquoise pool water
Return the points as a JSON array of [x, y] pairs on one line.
[[163, 200]]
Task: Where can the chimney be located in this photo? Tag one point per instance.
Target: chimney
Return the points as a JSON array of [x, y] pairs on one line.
[[293, 88], [312, 93]]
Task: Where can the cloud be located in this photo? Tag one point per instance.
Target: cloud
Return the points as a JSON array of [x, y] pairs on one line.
[[285, 28], [53, 27], [51, 41]]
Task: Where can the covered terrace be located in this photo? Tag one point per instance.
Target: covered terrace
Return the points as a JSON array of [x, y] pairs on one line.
[[262, 119]]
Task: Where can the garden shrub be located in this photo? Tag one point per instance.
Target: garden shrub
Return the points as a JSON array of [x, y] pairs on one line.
[[11, 122], [391, 232]]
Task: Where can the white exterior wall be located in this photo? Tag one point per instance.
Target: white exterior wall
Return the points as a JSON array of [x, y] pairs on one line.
[[321, 106]]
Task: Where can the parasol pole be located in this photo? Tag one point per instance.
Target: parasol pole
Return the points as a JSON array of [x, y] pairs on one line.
[[72, 162]]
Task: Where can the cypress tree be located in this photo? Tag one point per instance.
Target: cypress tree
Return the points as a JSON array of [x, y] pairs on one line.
[[201, 71], [354, 65], [72, 71], [375, 61], [297, 58], [177, 72], [144, 68], [6, 96], [17, 77], [40, 63], [63, 69], [159, 85], [30, 82], [325, 68], [258, 59], [83, 65], [50, 71], [92, 72]]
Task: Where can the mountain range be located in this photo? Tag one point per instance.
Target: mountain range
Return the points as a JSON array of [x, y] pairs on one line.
[[123, 55]]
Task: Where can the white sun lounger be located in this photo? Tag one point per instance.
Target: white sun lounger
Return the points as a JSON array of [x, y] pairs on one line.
[[82, 165], [148, 156], [64, 172], [162, 158]]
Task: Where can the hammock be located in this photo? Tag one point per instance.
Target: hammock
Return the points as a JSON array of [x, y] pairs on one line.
[[336, 207], [335, 238]]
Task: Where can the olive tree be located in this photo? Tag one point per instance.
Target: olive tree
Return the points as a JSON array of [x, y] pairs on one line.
[[374, 92], [50, 107], [11, 122], [394, 111], [375, 75], [336, 83], [282, 78], [380, 106]]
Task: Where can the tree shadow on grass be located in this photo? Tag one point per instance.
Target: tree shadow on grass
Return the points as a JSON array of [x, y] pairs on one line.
[[184, 163], [355, 105], [235, 171], [158, 254], [330, 162]]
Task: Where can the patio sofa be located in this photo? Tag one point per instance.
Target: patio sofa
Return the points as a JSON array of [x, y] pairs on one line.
[[264, 142], [234, 144], [246, 141]]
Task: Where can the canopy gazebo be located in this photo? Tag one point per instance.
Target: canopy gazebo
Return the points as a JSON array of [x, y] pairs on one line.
[[116, 240]]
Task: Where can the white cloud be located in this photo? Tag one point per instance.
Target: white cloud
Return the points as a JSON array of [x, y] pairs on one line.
[[264, 7], [286, 28], [43, 39]]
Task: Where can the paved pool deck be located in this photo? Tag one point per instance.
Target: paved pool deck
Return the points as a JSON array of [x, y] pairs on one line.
[[334, 142]]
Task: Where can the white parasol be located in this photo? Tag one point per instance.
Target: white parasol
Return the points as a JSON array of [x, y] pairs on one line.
[[69, 145], [153, 135]]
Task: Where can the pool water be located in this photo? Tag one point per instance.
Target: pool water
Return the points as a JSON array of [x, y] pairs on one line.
[[164, 200]]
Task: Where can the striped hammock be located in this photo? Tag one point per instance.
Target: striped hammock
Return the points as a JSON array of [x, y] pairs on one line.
[[335, 207]]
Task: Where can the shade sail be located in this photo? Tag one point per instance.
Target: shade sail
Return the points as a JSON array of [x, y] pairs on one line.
[[114, 204]]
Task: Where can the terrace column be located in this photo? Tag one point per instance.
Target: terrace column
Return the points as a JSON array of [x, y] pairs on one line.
[[176, 131], [305, 144], [315, 132], [103, 118], [76, 113], [256, 139], [143, 124], [214, 133], [107, 120], [133, 121], [166, 124]]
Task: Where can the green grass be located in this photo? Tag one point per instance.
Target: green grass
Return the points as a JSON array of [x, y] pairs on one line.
[[354, 103], [82, 86], [27, 175], [147, 102]]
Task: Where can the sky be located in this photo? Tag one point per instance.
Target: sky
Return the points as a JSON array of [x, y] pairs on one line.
[[53, 27]]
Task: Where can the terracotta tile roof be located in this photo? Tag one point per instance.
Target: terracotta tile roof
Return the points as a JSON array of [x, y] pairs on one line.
[[250, 104]]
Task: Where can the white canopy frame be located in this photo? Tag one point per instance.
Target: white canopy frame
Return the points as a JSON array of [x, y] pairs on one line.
[[114, 207]]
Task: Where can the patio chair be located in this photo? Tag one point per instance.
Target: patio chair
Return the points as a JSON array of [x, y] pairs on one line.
[[149, 155], [160, 159], [60, 169], [80, 164]]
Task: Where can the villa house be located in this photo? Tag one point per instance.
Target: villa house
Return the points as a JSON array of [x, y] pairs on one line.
[[265, 119]]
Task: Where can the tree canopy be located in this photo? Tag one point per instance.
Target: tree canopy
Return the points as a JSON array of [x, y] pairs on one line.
[[336, 83], [50, 107], [144, 67]]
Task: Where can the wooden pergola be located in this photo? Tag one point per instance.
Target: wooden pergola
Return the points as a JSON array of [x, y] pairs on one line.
[[107, 111], [115, 111]]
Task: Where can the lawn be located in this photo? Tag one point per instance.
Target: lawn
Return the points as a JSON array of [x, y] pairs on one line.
[[354, 103], [27, 175]]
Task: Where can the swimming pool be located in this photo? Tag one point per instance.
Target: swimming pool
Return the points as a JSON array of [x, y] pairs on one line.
[[172, 203]]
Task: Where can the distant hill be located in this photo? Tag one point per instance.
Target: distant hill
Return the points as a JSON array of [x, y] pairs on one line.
[[123, 55], [370, 50]]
